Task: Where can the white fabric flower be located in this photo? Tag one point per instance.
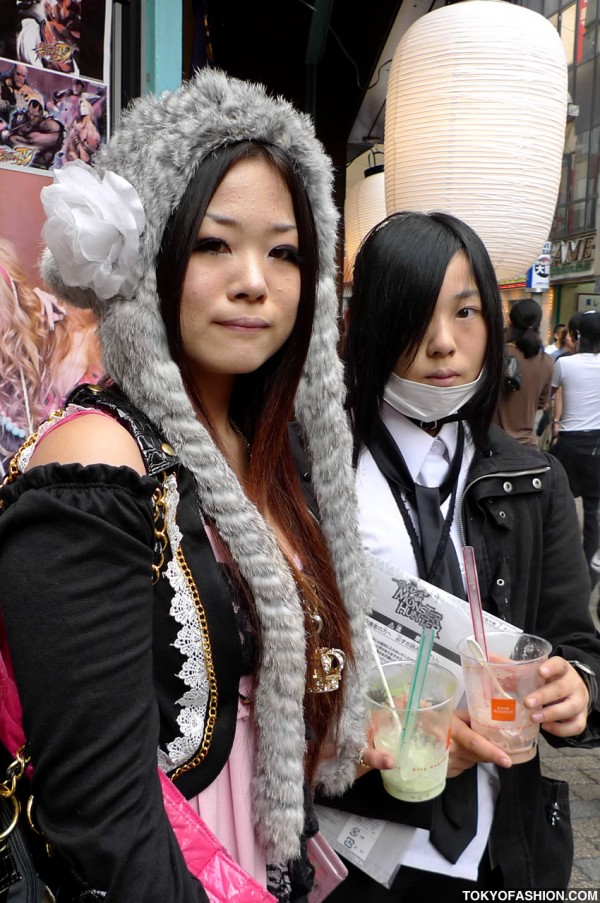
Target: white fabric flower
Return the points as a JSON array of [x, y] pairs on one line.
[[93, 229]]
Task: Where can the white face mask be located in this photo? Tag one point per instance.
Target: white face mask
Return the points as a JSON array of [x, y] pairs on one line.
[[428, 403]]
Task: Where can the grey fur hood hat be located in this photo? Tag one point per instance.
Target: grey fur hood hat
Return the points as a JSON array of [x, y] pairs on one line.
[[157, 148]]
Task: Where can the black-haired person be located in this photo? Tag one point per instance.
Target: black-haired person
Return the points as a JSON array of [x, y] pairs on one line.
[[516, 410], [553, 346], [424, 351], [577, 426]]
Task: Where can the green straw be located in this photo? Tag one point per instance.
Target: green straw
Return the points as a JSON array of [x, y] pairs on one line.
[[414, 696]]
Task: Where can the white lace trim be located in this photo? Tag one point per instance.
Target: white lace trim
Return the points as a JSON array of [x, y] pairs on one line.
[[194, 701]]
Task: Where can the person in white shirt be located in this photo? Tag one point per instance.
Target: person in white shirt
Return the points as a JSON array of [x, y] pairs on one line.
[[556, 336], [423, 352], [576, 380]]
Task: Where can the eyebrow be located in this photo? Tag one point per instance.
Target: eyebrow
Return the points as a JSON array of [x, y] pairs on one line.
[[466, 293], [229, 221]]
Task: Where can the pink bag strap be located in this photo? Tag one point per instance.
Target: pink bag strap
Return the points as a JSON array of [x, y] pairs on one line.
[[223, 879]]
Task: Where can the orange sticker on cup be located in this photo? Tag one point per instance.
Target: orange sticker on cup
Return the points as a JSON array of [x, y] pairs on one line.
[[503, 709]]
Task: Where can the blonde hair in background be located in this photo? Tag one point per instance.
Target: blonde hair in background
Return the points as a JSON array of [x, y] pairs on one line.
[[45, 350], [25, 344]]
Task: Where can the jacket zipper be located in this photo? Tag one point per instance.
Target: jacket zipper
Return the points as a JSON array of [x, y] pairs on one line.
[[491, 476]]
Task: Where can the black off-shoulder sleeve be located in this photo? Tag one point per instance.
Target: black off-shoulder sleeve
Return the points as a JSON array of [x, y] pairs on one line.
[[76, 596]]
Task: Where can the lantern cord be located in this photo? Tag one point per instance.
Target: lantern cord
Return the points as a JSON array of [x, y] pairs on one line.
[[376, 82]]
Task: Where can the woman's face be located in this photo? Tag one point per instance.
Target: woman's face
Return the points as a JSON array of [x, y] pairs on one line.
[[454, 346], [242, 286]]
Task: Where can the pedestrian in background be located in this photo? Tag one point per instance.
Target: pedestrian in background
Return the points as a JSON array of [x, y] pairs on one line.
[[576, 381], [556, 336], [569, 337], [517, 409]]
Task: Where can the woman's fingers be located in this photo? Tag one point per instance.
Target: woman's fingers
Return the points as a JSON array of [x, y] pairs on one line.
[[563, 699], [370, 758], [467, 747]]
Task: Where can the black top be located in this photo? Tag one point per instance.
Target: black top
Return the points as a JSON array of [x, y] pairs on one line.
[[82, 609]]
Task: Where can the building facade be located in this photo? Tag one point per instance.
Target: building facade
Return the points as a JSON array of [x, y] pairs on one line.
[[575, 263]]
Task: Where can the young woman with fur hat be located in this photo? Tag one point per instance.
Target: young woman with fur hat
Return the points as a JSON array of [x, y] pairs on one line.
[[167, 594]]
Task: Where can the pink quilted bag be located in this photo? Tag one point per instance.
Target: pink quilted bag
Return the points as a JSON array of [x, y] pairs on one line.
[[223, 879]]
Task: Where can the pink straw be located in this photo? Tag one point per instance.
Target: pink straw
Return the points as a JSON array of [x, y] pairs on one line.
[[474, 597]]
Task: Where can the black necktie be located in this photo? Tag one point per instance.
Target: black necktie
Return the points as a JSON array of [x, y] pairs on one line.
[[454, 816], [435, 554], [446, 572]]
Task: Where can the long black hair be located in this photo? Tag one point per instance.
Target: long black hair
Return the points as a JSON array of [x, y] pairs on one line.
[[525, 317], [398, 275], [589, 332]]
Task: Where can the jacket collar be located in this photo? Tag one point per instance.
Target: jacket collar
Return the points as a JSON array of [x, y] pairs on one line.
[[502, 454]]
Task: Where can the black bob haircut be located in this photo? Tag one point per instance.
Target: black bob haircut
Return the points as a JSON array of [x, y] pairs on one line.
[[398, 274]]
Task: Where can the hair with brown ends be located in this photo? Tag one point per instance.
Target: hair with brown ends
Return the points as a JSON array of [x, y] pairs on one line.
[[262, 407], [562, 337]]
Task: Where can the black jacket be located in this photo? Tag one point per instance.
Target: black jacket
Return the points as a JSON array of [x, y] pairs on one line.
[[519, 515]]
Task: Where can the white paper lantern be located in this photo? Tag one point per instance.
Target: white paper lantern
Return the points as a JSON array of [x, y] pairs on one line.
[[475, 124], [364, 207]]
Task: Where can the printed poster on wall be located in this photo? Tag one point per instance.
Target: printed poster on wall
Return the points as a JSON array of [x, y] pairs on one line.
[[54, 65], [58, 35], [48, 119]]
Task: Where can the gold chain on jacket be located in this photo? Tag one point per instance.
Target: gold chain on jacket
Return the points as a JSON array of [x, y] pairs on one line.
[[159, 508]]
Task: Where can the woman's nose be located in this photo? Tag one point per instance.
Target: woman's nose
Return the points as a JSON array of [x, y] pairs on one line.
[[440, 337], [249, 282]]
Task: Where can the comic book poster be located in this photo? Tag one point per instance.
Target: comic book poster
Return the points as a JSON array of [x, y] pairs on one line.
[[47, 119], [69, 36], [47, 346]]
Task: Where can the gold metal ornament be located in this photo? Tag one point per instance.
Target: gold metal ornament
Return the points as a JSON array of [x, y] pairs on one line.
[[325, 670]]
